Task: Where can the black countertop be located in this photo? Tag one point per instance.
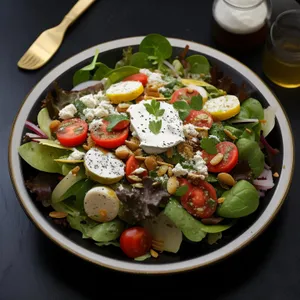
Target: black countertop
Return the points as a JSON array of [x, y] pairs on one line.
[[31, 266]]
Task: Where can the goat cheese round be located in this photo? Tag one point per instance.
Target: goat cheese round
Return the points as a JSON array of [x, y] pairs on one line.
[[101, 204], [169, 135], [103, 167]]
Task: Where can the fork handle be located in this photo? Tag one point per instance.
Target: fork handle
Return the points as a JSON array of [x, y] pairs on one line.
[[78, 9]]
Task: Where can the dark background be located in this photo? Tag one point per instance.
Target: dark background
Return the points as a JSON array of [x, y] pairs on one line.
[[31, 266]]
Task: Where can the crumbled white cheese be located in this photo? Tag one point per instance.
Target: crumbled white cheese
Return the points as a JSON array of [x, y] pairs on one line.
[[162, 89], [102, 110], [170, 133], [199, 165], [190, 130], [161, 179], [178, 170], [76, 155], [100, 96], [67, 112], [95, 124], [152, 76], [214, 137], [89, 101], [138, 171]]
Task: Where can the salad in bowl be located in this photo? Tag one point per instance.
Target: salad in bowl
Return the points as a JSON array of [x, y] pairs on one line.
[[151, 154]]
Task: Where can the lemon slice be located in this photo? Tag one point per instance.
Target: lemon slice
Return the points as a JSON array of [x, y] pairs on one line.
[[124, 91], [223, 108]]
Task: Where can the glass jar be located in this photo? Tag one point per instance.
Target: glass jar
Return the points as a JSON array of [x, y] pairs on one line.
[[241, 24]]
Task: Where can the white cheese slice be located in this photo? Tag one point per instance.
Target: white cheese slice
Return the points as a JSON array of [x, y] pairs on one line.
[[170, 134]]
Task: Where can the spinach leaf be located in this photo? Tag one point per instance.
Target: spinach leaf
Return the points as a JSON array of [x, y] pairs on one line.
[[120, 73], [83, 74], [67, 207], [234, 131], [78, 190], [101, 71], [250, 151], [42, 157], [80, 76], [251, 109], [240, 201], [156, 45], [190, 227], [44, 121], [217, 130], [199, 64], [104, 232], [247, 134], [181, 191], [140, 60]]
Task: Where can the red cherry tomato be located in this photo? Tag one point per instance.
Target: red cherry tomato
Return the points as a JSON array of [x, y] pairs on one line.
[[183, 95], [142, 78], [122, 125], [72, 132], [109, 139], [131, 165], [135, 241], [201, 201], [182, 182], [199, 118], [229, 161]]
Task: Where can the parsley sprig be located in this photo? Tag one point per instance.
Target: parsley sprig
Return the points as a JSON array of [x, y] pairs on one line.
[[154, 109], [184, 108]]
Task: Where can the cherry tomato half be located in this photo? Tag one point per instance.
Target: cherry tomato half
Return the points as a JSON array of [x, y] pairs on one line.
[[72, 132], [183, 95], [201, 202], [182, 182], [131, 165], [229, 161], [135, 241], [109, 139], [199, 118], [142, 78]]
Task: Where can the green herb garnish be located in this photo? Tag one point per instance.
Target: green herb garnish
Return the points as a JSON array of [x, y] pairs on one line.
[[155, 126], [181, 191], [114, 120], [209, 145]]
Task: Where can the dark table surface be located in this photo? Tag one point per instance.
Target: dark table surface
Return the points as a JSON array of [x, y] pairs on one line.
[[31, 266]]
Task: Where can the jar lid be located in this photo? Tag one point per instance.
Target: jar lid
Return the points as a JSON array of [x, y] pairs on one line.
[[244, 4]]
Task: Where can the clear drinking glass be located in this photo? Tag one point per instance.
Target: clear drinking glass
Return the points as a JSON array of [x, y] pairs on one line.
[[281, 61]]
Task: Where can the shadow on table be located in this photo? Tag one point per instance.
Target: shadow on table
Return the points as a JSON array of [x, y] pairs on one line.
[[92, 281]]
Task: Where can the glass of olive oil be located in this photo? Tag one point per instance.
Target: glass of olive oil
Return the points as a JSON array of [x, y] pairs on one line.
[[281, 61]]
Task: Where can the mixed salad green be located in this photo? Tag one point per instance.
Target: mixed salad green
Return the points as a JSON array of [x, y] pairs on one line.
[[156, 150]]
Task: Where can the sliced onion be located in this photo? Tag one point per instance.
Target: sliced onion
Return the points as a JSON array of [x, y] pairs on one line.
[[35, 129], [267, 167], [269, 148], [245, 121], [264, 181], [33, 135], [240, 177], [170, 66], [262, 193], [84, 85]]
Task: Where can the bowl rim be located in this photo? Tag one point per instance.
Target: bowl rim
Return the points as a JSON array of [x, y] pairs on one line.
[[238, 243]]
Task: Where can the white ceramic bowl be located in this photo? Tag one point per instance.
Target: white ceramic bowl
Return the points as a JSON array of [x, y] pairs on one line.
[[167, 266]]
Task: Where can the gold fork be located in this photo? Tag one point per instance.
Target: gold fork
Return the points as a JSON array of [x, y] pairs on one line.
[[45, 46]]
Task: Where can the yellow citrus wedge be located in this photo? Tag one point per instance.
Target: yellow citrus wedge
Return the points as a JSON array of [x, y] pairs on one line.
[[124, 91], [223, 108]]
